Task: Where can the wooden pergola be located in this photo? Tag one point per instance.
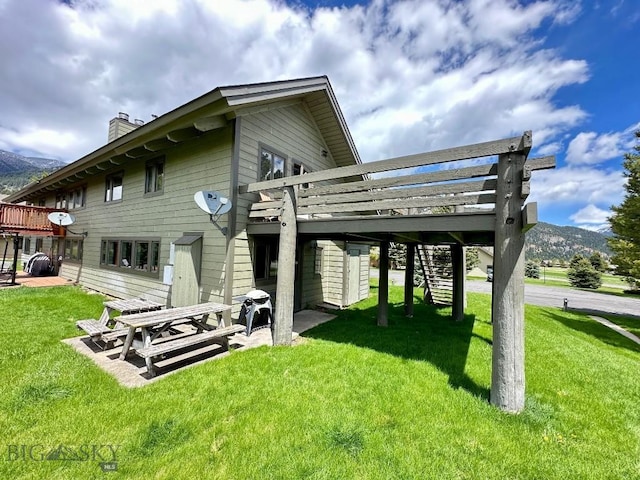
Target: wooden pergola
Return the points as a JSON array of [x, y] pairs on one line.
[[424, 199]]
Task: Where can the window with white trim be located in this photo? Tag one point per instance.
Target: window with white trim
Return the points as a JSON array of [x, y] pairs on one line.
[[113, 187]]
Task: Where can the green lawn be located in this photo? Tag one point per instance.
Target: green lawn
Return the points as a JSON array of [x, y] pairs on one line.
[[354, 401]]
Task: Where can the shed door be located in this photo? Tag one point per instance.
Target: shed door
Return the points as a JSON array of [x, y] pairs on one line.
[[353, 285], [186, 273]]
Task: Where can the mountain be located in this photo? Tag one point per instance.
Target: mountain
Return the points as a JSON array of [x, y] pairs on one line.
[[552, 242], [16, 171]]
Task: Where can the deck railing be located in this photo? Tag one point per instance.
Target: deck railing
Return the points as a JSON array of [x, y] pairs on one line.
[[27, 219], [414, 190]]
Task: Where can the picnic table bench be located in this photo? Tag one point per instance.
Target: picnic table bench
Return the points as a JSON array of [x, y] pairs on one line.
[[153, 324], [101, 329]]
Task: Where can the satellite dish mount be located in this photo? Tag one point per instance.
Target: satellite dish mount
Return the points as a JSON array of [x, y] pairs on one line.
[[64, 219], [215, 204]]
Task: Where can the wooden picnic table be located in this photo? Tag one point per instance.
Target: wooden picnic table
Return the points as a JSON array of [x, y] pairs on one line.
[[127, 306], [103, 328], [152, 324]]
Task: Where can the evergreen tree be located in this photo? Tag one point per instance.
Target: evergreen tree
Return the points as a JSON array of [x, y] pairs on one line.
[[582, 274], [625, 221], [576, 259], [473, 260], [599, 262], [532, 270]]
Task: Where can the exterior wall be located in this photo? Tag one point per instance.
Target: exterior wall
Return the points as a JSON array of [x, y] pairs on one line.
[[201, 164], [486, 258], [292, 132]]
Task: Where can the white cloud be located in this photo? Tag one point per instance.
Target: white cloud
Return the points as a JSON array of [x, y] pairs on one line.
[[592, 148], [591, 215], [410, 75], [577, 185]]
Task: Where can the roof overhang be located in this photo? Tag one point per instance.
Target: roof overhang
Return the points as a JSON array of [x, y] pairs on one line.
[[211, 111]]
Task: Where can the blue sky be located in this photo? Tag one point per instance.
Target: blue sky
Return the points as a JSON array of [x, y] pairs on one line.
[[410, 75]]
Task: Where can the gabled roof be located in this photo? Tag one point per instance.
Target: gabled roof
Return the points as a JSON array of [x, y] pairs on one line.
[[210, 111]]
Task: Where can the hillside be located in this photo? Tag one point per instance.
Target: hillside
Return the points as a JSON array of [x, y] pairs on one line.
[[16, 171], [553, 242]]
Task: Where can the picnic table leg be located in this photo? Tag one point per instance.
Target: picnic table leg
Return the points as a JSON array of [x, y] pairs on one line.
[[220, 320], [104, 317], [127, 343]]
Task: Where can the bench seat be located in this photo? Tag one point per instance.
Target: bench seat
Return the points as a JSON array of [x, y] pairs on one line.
[[220, 334], [92, 327]]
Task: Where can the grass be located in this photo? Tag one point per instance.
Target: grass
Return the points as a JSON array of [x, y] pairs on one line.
[[354, 401]]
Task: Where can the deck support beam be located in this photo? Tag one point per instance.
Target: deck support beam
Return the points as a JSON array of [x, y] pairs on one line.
[[383, 285], [458, 266], [408, 280], [507, 376], [283, 321]]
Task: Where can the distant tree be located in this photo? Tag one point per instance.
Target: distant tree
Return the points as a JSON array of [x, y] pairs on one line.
[[561, 263], [473, 260], [532, 270], [582, 274], [397, 255], [599, 262], [576, 259], [624, 222]]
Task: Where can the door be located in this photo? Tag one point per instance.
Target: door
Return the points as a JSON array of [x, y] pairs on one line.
[[186, 272]]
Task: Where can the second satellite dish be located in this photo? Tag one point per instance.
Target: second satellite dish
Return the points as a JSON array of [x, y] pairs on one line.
[[213, 203], [62, 219]]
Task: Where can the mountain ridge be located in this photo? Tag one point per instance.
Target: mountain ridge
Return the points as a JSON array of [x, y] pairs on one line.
[[546, 241], [16, 170]]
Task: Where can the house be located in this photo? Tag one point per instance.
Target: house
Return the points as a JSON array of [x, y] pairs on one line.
[[138, 231]]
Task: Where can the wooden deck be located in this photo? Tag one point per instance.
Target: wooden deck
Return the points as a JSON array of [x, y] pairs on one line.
[[464, 196], [29, 220]]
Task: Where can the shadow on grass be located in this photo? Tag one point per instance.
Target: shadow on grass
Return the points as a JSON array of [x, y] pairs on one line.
[[431, 336], [593, 328]]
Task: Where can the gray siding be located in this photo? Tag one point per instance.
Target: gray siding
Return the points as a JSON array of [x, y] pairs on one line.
[[201, 164], [291, 131]]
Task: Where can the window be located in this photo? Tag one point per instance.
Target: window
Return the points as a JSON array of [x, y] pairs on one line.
[[39, 243], [113, 187], [154, 176], [71, 199], [73, 249], [134, 255], [271, 165], [42, 202], [26, 245]]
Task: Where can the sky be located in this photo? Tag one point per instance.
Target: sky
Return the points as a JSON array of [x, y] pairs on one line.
[[410, 76]]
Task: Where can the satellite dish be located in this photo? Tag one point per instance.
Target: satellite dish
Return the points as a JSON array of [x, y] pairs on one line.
[[62, 219], [213, 203]]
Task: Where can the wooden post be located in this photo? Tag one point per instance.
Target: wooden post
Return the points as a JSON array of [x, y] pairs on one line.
[[383, 285], [16, 247], [408, 280], [283, 319], [507, 376], [457, 261]]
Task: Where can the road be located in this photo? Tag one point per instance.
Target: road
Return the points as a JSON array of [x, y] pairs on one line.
[[548, 296]]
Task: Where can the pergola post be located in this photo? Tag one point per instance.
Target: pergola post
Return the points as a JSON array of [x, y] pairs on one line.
[[408, 280], [283, 319], [507, 377], [383, 285], [457, 261]]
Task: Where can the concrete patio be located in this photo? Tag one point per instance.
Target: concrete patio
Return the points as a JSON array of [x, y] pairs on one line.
[[133, 372]]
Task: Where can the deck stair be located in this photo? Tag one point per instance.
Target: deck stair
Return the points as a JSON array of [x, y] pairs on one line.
[[438, 276]]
